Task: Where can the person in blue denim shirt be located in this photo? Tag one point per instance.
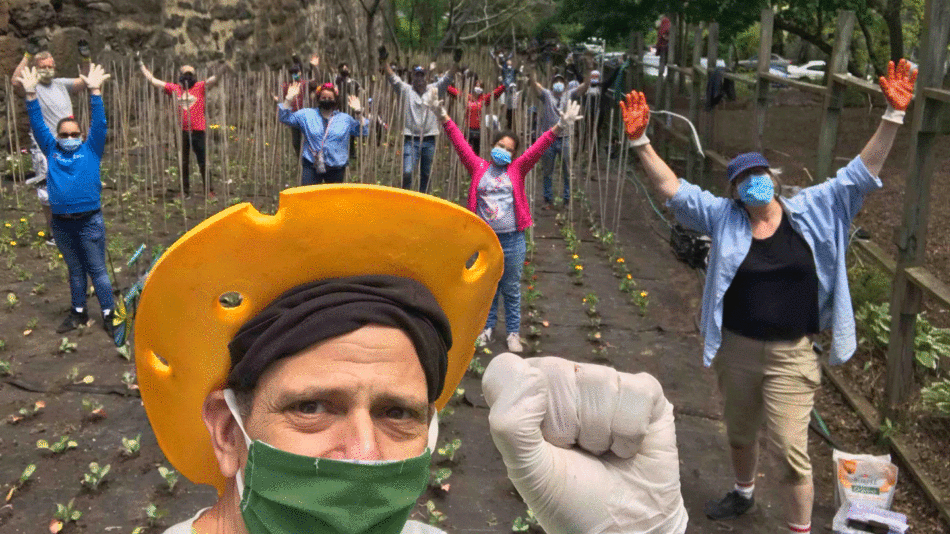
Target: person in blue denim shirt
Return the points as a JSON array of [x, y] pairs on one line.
[[776, 277], [327, 131], [74, 195]]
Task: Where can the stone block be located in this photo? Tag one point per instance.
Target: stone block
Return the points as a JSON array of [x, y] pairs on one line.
[[30, 16], [243, 32], [174, 21]]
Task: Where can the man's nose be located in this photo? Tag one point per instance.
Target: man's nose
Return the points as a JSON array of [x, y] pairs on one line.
[[360, 442]]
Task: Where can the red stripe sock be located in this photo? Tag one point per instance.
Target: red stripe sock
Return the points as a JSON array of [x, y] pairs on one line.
[[799, 529]]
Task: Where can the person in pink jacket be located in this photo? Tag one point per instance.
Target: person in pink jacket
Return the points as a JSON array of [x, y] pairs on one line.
[[497, 195]]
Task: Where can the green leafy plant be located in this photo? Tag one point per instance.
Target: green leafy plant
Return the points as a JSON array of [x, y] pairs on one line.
[[58, 447], [930, 342], [628, 284], [435, 516], [39, 289], [92, 409], [31, 324], [449, 448], [642, 300], [525, 523], [128, 379], [438, 480], [475, 367], [125, 352], [4, 368], [21, 274], [3, 345], [65, 513], [590, 302], [887, 429], [26, 413], [170, 476], [66, 346], [154, 514], [12, 301], [937, 396], [22, 481], [131, 446], [95, 476]]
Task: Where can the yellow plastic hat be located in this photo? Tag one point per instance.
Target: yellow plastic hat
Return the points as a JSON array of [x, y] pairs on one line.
[[182, 327]]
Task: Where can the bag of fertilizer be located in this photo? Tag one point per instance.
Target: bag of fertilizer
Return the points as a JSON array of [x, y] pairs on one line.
[[864, 479]]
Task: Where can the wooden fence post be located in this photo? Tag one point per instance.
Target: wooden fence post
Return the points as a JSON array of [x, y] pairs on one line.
[[762, 85], [635, 56], [712, 56], [834, 98], [695, 163], [912, 237], [668, 82]]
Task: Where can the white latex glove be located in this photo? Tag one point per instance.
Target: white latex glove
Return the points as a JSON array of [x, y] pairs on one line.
[[96, 77], [431, 100], [570, 115], [29, 79], [590, 450]]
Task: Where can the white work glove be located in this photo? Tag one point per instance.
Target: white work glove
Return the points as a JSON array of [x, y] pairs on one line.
[[29, 79], [96, 77], [570, 115], [431, 100], [590, 450]]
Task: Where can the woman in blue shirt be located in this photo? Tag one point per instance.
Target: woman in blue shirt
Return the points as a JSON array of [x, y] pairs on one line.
[[74, 195], [776, 277], [327, 132]]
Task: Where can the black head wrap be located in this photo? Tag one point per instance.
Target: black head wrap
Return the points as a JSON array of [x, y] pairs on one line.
[[317, 311]]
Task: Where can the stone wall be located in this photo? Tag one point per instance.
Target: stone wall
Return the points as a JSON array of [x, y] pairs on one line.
[[244, 33]]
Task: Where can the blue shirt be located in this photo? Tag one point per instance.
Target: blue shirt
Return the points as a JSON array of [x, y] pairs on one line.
[[336, 149], [74, 185], [821, 213]]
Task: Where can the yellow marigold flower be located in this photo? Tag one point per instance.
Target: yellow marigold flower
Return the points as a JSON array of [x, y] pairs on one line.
[[8, 225], [643, 293], [629, 277], [41, 233], [575, 256], [22, 220], [12, 243], [60, 256], [579, 267], [619, 260]]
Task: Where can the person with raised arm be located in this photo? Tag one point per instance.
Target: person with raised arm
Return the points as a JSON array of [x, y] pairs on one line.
[[776, 278]]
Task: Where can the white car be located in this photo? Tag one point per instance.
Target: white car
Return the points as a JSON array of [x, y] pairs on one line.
[[651, 63], [813, 70]]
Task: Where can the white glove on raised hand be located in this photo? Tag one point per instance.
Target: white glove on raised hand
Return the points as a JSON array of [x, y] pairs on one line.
[[570, 115], [354, 103], [590, 450], [431, 100], [293, 90], [29, 79], [96, 77]]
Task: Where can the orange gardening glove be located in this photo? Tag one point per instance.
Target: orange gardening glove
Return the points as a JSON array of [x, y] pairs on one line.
[[898, 88], [636, 117]]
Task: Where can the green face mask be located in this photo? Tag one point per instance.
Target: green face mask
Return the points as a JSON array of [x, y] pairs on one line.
[[286, 493]]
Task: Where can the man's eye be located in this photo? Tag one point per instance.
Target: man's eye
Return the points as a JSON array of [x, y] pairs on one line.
[[310, 407], [396, 412]]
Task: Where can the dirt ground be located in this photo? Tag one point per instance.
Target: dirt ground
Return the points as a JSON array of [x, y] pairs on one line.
[[663, 342]]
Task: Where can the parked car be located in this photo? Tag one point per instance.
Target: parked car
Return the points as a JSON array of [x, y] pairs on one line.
[[651, 63], [776, 62], [813, 70]]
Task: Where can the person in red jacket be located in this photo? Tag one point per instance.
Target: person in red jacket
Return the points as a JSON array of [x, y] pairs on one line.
[[476, 101], [497, 195]]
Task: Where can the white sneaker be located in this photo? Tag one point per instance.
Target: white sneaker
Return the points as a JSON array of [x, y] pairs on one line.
[[514, 342], [483, 338]]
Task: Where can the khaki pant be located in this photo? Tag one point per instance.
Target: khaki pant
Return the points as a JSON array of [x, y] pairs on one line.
[[775, 381]]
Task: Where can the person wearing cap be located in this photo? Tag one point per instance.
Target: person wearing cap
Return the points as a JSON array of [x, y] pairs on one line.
[[497, 194], [552, 103], [309, 398], [75, 195], [776, 278], [56, 104], [189, 94], [327, 131], [476, 102], [420, 127]]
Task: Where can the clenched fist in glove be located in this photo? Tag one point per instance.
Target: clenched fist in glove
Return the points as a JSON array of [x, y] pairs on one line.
[[898, 88], [636, 117], [591, 450]]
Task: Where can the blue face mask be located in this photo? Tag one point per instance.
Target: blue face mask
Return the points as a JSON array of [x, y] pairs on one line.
[[500, 156], [757, 190], [558, 87], [69, 144]]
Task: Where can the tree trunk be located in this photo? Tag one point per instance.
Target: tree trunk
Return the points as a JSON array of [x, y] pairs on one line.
[[895, 28]]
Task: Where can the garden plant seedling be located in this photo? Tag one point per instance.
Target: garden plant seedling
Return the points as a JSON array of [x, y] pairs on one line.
[[92, 409], [4, 368], [59, 447], [65, 514], [437, 480], [26, 413], [435, 516], [154, 514], [95, 476], [66, 346], [526, 523], [475, 366], [22, 481], [131, 446], [449, 448], [170, 476], [12, 301]]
